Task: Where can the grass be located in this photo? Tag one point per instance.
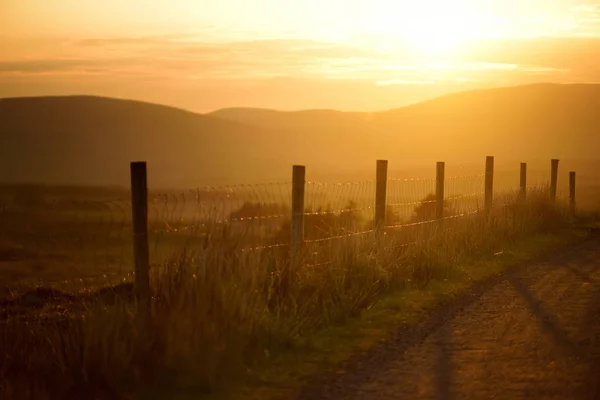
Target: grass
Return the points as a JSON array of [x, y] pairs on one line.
[[254, 324], [328, 349]]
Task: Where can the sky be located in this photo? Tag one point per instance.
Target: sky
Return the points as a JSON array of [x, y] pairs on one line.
[[362, 55]]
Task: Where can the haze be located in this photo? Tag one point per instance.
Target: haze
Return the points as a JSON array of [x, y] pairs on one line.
[[346, 55]]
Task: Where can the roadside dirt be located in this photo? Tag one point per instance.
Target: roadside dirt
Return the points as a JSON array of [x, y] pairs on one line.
[[532, 332]]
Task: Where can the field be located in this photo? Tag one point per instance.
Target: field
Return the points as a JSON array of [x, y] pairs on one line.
[[226, 298]]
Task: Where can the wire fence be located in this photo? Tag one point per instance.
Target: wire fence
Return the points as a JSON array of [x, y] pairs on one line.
[[86, 240]]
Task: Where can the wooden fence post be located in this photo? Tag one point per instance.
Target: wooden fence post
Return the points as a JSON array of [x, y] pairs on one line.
[[572, 190], [489, 182], [298, 188], [523, 181], [380, 194], [139, 207], [439, 190], [553, 178]]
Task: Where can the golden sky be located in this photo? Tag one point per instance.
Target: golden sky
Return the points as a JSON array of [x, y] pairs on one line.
[[343, 54]]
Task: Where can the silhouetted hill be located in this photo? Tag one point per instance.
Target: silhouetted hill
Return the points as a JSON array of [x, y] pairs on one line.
[[84, 139], [522, 122], [91, 140], [295, 120], [540, 120]]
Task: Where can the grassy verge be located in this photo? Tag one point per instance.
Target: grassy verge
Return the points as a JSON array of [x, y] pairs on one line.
[[256, 325], [329, 348]]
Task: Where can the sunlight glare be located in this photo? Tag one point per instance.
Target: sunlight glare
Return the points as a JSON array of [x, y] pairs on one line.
[[432, 26]]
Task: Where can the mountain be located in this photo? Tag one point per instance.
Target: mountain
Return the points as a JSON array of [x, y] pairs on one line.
[[540, 120], [523, 122], [91, 140], [303, 120]]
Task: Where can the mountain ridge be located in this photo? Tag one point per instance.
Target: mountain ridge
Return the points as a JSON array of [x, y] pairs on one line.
[[85, 139]]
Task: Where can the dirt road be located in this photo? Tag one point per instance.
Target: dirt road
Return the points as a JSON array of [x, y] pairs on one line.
[[531, 333]]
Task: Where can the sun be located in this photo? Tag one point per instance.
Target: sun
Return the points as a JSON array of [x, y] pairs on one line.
[[441, 35], [433, 27]]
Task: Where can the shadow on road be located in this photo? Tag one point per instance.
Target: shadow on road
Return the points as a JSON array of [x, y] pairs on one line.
[[545, 319], [568, 314], [582, 274], [592, 319], [444, 365]]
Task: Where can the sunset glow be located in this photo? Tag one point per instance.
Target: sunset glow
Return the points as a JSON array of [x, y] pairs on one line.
[[306, 54]]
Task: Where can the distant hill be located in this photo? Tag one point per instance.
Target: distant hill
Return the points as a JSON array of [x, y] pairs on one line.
[[540, 120], [91, 140], [296, 120], [530, 121]]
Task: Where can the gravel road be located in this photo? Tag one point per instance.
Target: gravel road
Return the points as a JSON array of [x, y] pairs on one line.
[[530, 333]]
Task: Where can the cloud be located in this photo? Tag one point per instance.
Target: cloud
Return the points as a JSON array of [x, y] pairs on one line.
[[181, 57], [586, 20], [403, 82], [191, 62], [130, 40], [263, 60], [62, 65], [586, 8], [549, 52]]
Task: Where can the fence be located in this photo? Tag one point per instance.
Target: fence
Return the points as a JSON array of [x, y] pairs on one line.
[[121, 238]]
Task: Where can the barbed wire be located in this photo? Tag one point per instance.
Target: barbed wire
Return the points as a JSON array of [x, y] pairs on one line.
[[351, 234], [431, 221], [93, 237], [224, 204], [452, 198], [323, 198], [258, 248], [339, 212]]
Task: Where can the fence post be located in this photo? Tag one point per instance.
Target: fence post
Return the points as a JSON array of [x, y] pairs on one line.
[[489, 182], [139, 207], [572, 190], [380, 194], [523, 181], [298, 188], [553, 178], [439, 190]]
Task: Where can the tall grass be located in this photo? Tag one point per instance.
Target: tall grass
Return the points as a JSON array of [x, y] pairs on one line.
[[215, 314]]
